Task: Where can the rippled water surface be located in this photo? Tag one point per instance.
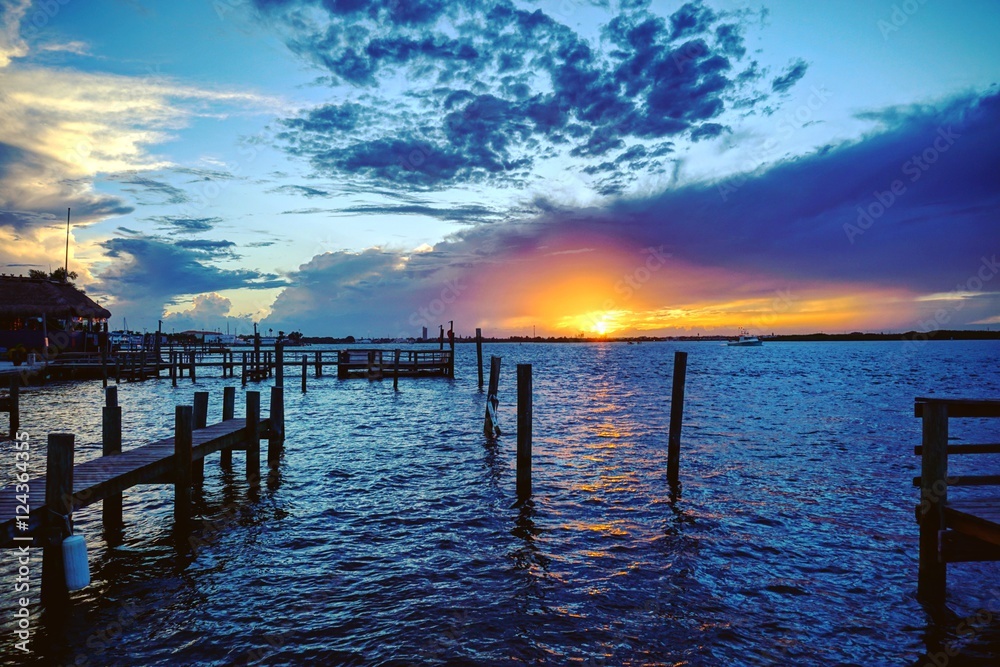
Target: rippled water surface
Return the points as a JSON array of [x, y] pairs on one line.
[[389, 535]]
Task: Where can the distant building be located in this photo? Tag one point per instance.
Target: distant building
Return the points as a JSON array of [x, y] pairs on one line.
[[32, 308]]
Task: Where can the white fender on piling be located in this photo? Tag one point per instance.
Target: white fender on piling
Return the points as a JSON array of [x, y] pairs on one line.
[[75, 562]]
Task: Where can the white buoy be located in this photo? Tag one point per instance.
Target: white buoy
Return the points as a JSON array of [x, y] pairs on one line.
[[75, 563]]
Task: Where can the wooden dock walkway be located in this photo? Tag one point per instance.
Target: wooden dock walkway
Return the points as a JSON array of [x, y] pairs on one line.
[[38, 511], [953, 530], [378, 363]]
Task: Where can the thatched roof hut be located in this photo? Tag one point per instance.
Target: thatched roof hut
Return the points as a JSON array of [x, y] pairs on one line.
[[36, 297]]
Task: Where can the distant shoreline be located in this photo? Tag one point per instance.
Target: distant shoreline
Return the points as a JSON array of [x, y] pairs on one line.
[[856, 336]]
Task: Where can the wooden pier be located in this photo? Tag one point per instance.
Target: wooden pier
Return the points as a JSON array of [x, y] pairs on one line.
[[178, 461], [395, 363], [953, 530]]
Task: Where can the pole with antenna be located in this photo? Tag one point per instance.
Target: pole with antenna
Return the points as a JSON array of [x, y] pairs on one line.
[[66, 266]]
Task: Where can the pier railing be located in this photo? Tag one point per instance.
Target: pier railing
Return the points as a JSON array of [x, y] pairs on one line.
[[952, 530]]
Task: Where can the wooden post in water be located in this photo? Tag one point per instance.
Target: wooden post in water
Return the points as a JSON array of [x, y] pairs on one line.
[[319, 364], [228, 412], [15, 404], [276, 433], [395, 370], [193, 371], [253, 437], [173, 367], [58, 499], [102, 344], [200, 415], [479, 355], [524, 411], [243, 370], [441, 339], [305, 362], [933, 496], [490, 427], [279, 364], [676, 417], [111, 444], [183, 425]]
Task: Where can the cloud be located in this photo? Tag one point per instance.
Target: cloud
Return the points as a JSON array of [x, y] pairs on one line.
[[497, 91], [208, 312], [170, 194], [185, 225], [12, 12], [783, 82], [734, 247], [150, 273], [471, 213]]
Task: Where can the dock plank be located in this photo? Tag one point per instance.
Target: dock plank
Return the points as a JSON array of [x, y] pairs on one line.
[[98, 478]]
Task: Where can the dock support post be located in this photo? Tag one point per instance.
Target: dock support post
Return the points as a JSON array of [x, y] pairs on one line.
[[342, 357], [183, 437], [15, 404], [492, 399], [524, 410], [395, 370], [173, 368], [676, 418], [319, 364], [253, 438], [243, 370], [200, 414], [193, 371], [111, 444], [59, 500], [228, 412], [305, 368], [276, 434], [479, 355], [279, 364], [933, 496]]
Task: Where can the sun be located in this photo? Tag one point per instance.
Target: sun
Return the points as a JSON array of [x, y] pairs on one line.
[[600, 327]]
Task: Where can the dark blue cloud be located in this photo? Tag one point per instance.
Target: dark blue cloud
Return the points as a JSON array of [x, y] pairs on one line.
[[790, 76], [185, 225], [501, 87], [151, 272]]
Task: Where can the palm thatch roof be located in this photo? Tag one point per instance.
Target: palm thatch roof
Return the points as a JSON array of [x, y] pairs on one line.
[[35, 297]]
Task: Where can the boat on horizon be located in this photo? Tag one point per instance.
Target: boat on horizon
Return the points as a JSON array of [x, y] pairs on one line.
[[745, 340]]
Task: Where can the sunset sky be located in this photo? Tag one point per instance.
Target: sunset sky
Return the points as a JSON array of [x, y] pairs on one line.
[[369, 167]]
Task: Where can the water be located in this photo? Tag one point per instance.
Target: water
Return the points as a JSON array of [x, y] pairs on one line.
[[389, 535]]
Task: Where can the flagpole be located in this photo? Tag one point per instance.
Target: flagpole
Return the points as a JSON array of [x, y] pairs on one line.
[[66, 267]]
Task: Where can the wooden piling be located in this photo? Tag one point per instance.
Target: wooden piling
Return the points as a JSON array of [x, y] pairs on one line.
[[524, 410], [111, 444], [228, 412], [676, 417], [15, 404], [490, 427], [183, 443], [319, 364], [253, 437], [200, 415], [173, 367], [933, 495], [276, 432], [58, 498], [243, 370], [305, 362], [479, 355], [279, 364], [395, 370]]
